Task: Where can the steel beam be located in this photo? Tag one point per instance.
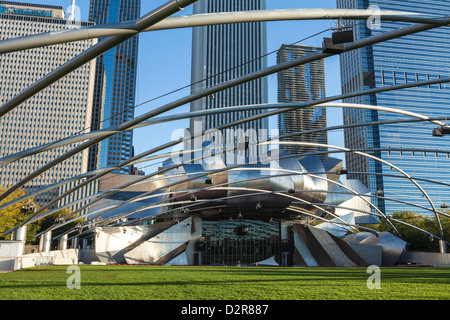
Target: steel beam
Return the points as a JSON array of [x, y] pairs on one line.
[[298, 105], [262, 73], [146, 21], [229, 169], [436, 214], [128, 28], [171, 144], [349, 47]]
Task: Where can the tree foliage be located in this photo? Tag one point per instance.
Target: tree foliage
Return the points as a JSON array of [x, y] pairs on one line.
[[417, 239], [17, 213]]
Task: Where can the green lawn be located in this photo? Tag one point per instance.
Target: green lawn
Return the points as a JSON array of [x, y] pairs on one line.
[[224, 283]]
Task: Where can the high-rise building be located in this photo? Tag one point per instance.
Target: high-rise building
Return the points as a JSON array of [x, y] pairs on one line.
[[224, 52], [412, 58], [115, 85], [302, 84], [59, 111]]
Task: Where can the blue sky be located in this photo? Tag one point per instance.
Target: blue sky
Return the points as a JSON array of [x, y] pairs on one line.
[[165, 58]]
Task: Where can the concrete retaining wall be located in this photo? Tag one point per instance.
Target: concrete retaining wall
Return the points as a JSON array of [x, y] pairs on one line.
[[57, 257], [11, 248]]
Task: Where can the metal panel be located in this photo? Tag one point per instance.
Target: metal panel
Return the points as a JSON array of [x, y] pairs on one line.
[[341, 229], [302, 248], [161, 245], [332, 249], [314, 165]]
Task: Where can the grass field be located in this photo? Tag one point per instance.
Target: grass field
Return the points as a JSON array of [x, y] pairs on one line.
[[224, 283]]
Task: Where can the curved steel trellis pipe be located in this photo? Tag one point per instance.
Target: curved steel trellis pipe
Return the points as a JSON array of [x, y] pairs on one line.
[[226, 169], [86, 233], [193, 191], [149, 195], [193, 178], [259, 191], [299, 210], [143, 196], [89, 143], [99, 133], [146, 207], [226, 85], [294, 209], [255, 190], [140, 159], [163, 203], [197, 20], [221, 186], [231, 83], [418, 150], [436, 214], [382, 161]]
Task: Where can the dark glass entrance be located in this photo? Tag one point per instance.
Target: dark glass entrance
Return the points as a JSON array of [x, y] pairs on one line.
[[244, 242]]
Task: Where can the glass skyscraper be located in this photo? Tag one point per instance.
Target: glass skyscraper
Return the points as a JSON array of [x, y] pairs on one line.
[[302, 84], [224, 52], [115, 85], [411, 58]]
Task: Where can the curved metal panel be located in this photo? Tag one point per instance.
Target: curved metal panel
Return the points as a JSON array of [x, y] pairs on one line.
[[313, 164]]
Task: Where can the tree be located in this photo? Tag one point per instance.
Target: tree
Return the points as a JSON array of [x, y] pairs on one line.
[[50, 220], [418, 240], [15, 214]]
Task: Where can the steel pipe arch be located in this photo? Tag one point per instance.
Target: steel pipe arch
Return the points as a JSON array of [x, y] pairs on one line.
[[96, 140], [162, 203], [107, 170], [387, 163], [298, 105], [303, 211], [206, 92], [198, 20], [228, 169], [146, 178], [436, 214]]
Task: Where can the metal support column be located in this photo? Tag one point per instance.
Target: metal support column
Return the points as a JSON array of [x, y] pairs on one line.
[[21, 235], [45, 243], [75, 243], [442, 246], [62, 242]]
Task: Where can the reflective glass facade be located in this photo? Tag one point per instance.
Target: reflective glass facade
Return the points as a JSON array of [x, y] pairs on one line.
[[302, 84], [114, 97], [224, 52], [411, 58]]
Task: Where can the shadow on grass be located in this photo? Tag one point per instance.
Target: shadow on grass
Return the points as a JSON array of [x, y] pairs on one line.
[[247, 277]]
